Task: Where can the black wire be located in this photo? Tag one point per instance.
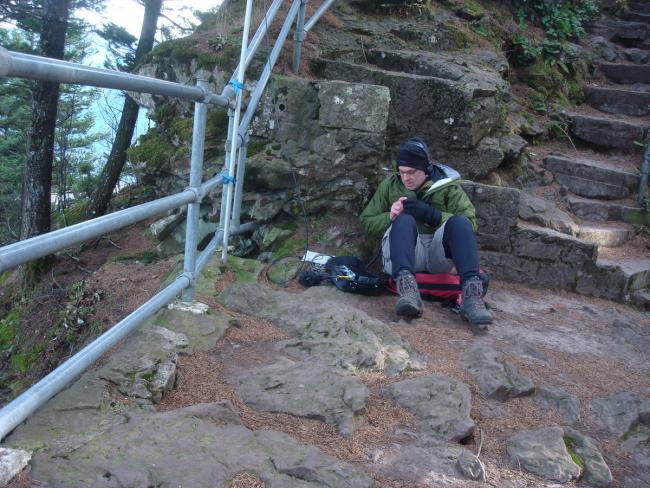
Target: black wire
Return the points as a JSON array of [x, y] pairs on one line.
[[296, 185], [293, 172]]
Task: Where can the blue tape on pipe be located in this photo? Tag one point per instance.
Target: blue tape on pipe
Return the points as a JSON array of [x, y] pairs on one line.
[[237, 85], [227, 178]]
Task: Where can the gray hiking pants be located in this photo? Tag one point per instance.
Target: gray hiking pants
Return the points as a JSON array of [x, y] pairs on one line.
[[429, 253]]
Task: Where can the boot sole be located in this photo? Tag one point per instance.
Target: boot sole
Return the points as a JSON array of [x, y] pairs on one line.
[[479, 324], [406, 310]]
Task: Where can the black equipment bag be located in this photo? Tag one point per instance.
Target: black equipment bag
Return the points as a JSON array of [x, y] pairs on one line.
[[349, 273]]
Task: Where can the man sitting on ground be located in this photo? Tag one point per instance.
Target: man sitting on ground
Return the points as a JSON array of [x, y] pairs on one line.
[[428, 224]]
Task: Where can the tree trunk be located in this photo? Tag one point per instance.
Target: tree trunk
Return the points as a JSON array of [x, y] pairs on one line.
[[113, 168], [37, 179]]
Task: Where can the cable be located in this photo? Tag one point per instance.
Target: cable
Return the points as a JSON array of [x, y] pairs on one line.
[[273, 263], [293, 172]]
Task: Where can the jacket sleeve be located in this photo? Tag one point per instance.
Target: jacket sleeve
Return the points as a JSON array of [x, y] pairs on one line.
[[375, 218], [458, 203]]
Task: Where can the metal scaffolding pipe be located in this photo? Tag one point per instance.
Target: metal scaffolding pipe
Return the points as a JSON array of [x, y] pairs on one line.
[[268, 67], [211, 184], [36, 247], [239, 183], [233, 148], [318, 14], [216, 241], [299, 36], [32, 399], [261, 32], [196, 169], [256, 40], [35, 67], [226, 165], [21, 65]]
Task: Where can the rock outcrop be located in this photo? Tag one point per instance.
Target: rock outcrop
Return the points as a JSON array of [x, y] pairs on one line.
[[333, 397], [340, 336], [441, 404]]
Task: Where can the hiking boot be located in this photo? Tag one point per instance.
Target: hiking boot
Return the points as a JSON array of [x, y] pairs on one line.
[[472, 307], [409, 303]]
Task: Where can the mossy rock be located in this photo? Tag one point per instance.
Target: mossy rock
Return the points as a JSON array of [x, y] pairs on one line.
[[541, 75], [570, 447], [637, 217], [244, 270], [467, 9], [452, 36], [284, 270], [275, 238], [291, 247]]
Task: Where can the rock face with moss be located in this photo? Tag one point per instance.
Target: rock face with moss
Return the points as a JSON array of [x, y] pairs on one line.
[[329, 136], [559, 454], [456, 102], [335, 134]]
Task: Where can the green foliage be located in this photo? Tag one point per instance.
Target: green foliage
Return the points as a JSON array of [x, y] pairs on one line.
[[154, 149], [620, 7], [9, 327], [74, 163], [146, 257], [121, 46], [561, 21], [15, 113], [23, 361], [80, 305], [71, 215]]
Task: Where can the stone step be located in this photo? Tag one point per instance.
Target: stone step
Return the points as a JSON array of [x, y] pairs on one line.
[[635, 271], [618, 101], [642, 7], [637, 55], [628, 33], [606, 234], [637, 16], [641, 299], [626, 74], [607, 132], [591, 179], [596, 210]]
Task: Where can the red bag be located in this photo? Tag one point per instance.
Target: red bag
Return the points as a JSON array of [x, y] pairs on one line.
[[442, 286]]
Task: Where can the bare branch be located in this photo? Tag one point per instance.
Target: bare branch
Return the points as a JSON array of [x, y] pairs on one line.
[[184, 29]]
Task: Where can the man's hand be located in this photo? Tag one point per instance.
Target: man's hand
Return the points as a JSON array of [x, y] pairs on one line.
[[397, 208], [422, 211]]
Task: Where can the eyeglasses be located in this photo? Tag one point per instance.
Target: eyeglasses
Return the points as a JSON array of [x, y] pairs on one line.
[[409, 172]]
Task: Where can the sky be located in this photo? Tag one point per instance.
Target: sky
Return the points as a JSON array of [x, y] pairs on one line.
[[129, 14]]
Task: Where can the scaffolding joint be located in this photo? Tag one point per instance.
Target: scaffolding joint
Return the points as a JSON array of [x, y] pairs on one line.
[[198, 191], [192, 278]]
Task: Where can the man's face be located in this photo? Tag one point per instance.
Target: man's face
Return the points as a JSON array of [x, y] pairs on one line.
[[411, 177]]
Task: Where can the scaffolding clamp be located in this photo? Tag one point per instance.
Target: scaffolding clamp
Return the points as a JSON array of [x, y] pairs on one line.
[[237, 86], [198, 191]]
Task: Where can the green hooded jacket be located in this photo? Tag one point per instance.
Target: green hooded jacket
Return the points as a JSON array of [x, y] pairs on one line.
[[445, 194]]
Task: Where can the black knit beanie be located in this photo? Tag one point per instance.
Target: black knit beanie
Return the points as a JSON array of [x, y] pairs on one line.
[[414, 153]]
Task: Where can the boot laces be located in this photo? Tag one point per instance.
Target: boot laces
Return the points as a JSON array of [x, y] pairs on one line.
[[406, 284], [473, 289]]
